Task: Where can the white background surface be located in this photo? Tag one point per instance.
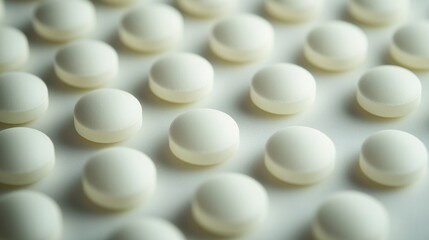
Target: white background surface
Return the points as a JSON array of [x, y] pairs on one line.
[[291, 208]]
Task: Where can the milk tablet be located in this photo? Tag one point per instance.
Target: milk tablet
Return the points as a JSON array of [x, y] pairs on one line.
[[23, 97], [230, 204], [27, 155], [393, 158], [336, 46], [149, 229], [206, 8], [204, 137], [389, 91], [14, 50], [119, 178], [151, 28], [64, 20], [107, 116], [353, 216], [378, 12], [294, 10], [181, 78], [242, 38], [410, 47], [86, 63], [283, 89], [28, 215], [289, 158]]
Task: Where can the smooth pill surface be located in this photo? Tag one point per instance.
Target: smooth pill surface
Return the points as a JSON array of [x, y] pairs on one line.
[[204, 136], [230, 204], [86, 63], [389, 91], [23, 97], [119, 178], [380, 12], [336, 46], [14, 49], [64, 20], [206, 8], [28, 215], [289, 158], [393, 158], [27, 155], [107, 116], [410, 47], [181, 78], [152, 28], [294, 10], [149, 229], [242, 38], [353, 216], [283, 89]]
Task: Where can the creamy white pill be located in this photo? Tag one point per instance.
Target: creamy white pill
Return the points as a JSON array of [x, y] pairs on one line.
[[283, 89], [300, 155], [206, 8], [119, 178], [23, 97], [242, 38], [353, 216], [107, 116], [151, 28], [149, 229], [230, 204], [380, 12], [27, 155], [204, 137], [28, 215], [294, 10], [389, 91], [181, 78], [410, 47], [14, 49], [393, 158], [64, 20], [86, 64], [336, 46]]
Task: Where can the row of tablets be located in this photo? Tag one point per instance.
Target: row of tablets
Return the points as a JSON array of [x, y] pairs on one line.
[[229, 204], [205, 137]]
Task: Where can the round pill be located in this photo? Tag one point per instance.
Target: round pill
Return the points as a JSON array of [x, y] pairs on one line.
[[389, 91], [119, 178], [149, 229], [380, 12], [64, 20], [336, 46], [242, 38], [23, 97], [27, 155], [351, 215], [206, 8], [230, 204], [181, 78], [393, 158], [204, 136], [14, 49], [151, 28], [86, 63], [294, 10], [107, 116], [27, 215], [410, 46], [289, 158], [283, 89]]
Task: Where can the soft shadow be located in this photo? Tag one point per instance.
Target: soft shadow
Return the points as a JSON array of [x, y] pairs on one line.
[[143, 92], [54, 83], [305, 234]]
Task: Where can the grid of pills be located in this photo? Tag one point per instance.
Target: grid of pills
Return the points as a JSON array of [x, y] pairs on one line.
[[193, 119]]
